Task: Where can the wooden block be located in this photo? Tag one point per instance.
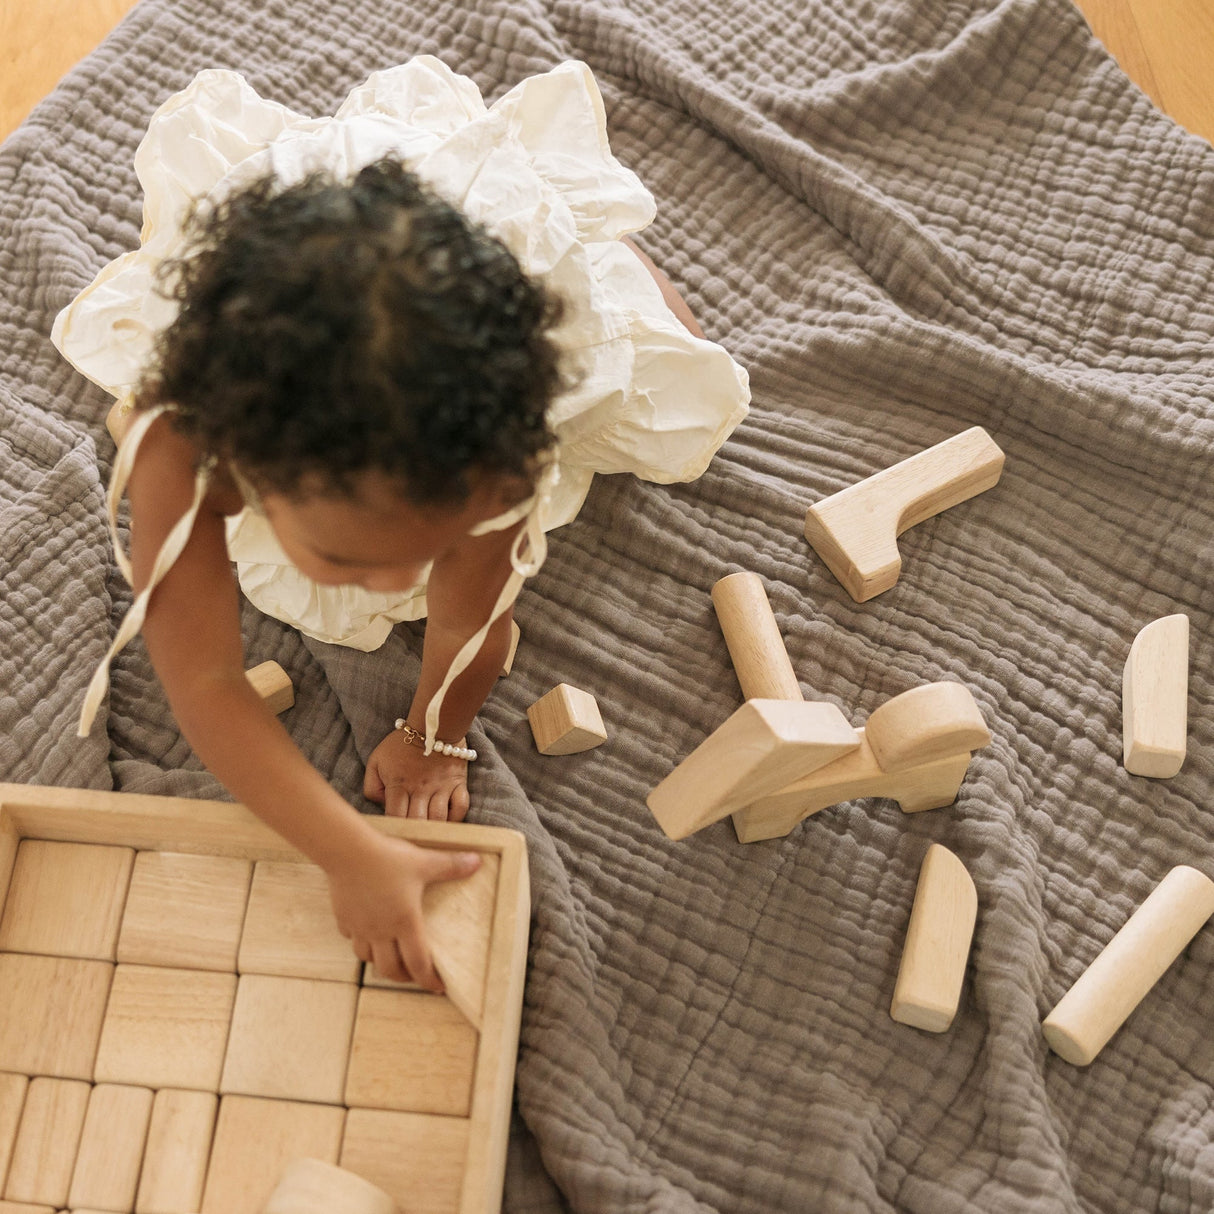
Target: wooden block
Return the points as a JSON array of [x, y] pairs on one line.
[[51, 1010], [1130, 964], [45, 1150], [12, 1099], [289, 929], [66, 899], [515, 637], [855, 530], [290, 1038], [166, 1028], [926, 723], [855, 775], [417, 1159], [24, 1207], [764, 746], [178, 1148], [111, 1147], [753, 639], [566, 721], [310, 1186], [937, 947], [1155, 699], [274, 686], [411, 1052], [184, 911], [255, 1139]]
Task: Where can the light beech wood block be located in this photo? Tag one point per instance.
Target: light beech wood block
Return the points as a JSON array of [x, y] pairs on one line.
[[566, 721], [420, 1161], [255, 1139], [855, 531], [166, 1028], [928, 989], [290, 929], [1130, 964], [290, 1038], [927, 723], [178, 1148], [411, 1052], [51, 1011], [66, 899], [515, 637], [111, 1147], [857, 774], [753, 638], [12, 1099], [45, 1151], [24, 1207], [764, 746], [184, 911], [1155, 699], [311, 1186], [274, 686]]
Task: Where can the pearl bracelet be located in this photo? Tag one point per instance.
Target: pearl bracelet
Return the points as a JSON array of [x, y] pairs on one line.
[[414, 738]]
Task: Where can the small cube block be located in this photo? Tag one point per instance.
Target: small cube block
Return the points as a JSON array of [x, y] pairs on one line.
[[416, 1158], [566, 721], [274, 686]]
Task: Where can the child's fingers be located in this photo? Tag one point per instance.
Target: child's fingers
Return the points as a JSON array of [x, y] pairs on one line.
[[373, 786], [388, 962], [417, 965], [459, 803]]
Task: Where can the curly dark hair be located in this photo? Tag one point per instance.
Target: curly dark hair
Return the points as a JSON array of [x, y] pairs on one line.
[[331, 328]]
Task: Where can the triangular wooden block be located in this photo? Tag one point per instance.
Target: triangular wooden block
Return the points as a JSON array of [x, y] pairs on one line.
[[459, 922]]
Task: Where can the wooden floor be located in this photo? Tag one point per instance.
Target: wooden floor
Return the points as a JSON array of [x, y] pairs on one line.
[[1165, 46]]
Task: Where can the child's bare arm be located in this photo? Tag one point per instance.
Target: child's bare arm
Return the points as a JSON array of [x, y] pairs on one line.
[[674, 301]]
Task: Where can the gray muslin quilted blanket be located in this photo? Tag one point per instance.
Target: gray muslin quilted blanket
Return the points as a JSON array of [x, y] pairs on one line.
[[905, 218]]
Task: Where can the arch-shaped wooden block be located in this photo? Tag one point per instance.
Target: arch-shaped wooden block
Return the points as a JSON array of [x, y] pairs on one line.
[[855, 531], [1154, 699], [924, 724], [311, 1186]]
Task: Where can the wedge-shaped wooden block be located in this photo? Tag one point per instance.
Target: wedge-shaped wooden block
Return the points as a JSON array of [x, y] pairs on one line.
[[111, 1147], [511, 653], [1130, 964], [184, 911], [413, 1052], [417, 1159], [290, 930], [928, 989], [311, 1186], [51, 1010], [45, 1151], [66, 899], [858, 774], [274, 686], [166, 1028], [12, 1099], [764, 746], [1155, 699], [178, 1148], [855, 531], [566, 721], [927, 723], [753, 638], [290, 1038], [255, 1139]]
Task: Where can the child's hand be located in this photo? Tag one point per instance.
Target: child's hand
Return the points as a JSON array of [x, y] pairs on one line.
[[408, 783], [378, 905]]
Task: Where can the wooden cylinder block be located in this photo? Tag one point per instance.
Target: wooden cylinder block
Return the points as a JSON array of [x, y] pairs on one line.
[[310, 1186], [753, 638], [1131, 963]]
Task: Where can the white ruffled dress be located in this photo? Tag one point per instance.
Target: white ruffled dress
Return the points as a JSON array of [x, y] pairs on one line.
[[535, 168]]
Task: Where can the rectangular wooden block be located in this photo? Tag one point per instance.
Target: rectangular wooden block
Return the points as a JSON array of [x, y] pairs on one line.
[[51, 1009], [111, 1147], [411, 1052], [45, 1150], [290, 930], [178, 1148], [65, 899], [166, 1028], [290, 1038], [417, 1159], [184, 911], [12, 1099], [255, 1139], [24, 1207]]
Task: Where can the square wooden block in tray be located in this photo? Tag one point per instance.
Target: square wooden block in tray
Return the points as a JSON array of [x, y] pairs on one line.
[[180, 1018]]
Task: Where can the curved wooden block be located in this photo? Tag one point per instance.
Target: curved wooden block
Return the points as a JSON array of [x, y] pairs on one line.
[[1130, 964], [311, 1186], [925, 724], [855, 531], [1154, 699], [753, 638]]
